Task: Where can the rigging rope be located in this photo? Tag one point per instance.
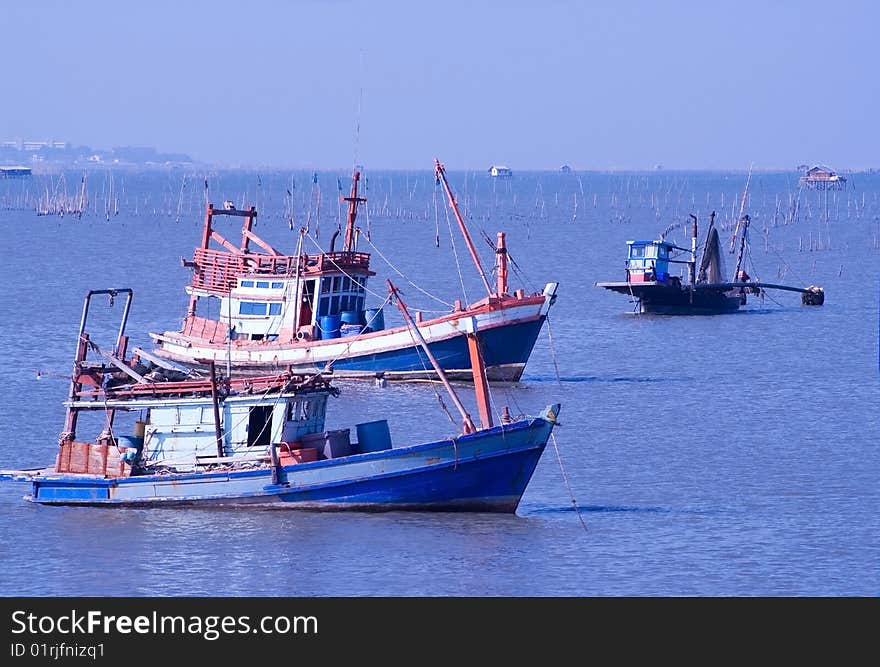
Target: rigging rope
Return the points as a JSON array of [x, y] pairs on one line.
[[339, 268], [401, 274], [436, 222], [455, 253], [422, 360]]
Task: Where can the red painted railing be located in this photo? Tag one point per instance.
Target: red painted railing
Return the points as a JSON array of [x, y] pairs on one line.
[[218, 270]]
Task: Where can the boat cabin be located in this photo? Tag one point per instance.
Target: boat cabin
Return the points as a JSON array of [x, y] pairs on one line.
[[262, 307], [648, 261], [183, 432], [177, 423], [243, 294], [820, 177]]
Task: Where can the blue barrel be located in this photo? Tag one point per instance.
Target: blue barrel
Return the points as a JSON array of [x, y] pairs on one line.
[[329, 325], [130, 441], [350, 317], [374, 318], [131, 447], [373, 436]]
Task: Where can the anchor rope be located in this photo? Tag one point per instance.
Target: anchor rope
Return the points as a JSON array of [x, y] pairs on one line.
[[567, 485], [553, 350]]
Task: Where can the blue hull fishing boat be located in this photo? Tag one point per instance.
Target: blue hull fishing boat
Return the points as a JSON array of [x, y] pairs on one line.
[[307, 312], [262, 442], [654, 289]]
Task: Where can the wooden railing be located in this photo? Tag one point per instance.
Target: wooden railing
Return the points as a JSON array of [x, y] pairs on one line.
[[218, 270]]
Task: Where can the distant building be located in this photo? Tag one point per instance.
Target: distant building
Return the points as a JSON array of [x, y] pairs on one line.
[[820, 177], [565, 169], [32, 146], [499, 171], [15, 151]]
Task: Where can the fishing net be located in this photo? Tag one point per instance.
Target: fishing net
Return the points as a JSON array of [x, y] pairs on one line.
[[711, 264]]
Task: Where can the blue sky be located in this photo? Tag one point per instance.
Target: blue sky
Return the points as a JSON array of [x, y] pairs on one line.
[[597, 85]]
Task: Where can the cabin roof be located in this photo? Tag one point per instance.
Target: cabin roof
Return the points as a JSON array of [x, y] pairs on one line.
[[653, 242], [820, 168]]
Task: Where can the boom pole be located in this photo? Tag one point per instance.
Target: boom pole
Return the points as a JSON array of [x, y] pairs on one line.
[[467, 422], [441, 175]]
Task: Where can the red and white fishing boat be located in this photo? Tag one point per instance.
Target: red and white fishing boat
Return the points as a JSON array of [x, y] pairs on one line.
[[307, 312]]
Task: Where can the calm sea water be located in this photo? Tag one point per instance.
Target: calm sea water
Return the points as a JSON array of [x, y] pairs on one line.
[[728, 455]]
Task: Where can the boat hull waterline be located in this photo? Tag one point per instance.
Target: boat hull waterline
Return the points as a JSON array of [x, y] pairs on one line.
[[484, 471], [507, 337], [666, 299]]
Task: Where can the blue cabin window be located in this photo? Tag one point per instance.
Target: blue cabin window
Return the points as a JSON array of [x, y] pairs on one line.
[[341, 293], [637, 251], [251, 308], [263, 284], [247, 283], [274, 308], [278, 285]]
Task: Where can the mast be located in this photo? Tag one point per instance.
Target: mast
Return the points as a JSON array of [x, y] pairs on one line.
[[742, 246], [246, 228], [299, 286], [501, 265], [701, 277], [215, 402], [353, 202], [82, 348], [206, 242], [441, 175], [467, 422], [742, 208], [692, 265]]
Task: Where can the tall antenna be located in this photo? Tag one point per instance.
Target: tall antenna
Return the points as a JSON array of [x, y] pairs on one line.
[[357, 127]]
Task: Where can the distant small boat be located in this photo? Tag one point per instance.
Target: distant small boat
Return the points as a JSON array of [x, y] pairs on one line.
[[262, 441], [500, 171], [654, 290], [15, 172]]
